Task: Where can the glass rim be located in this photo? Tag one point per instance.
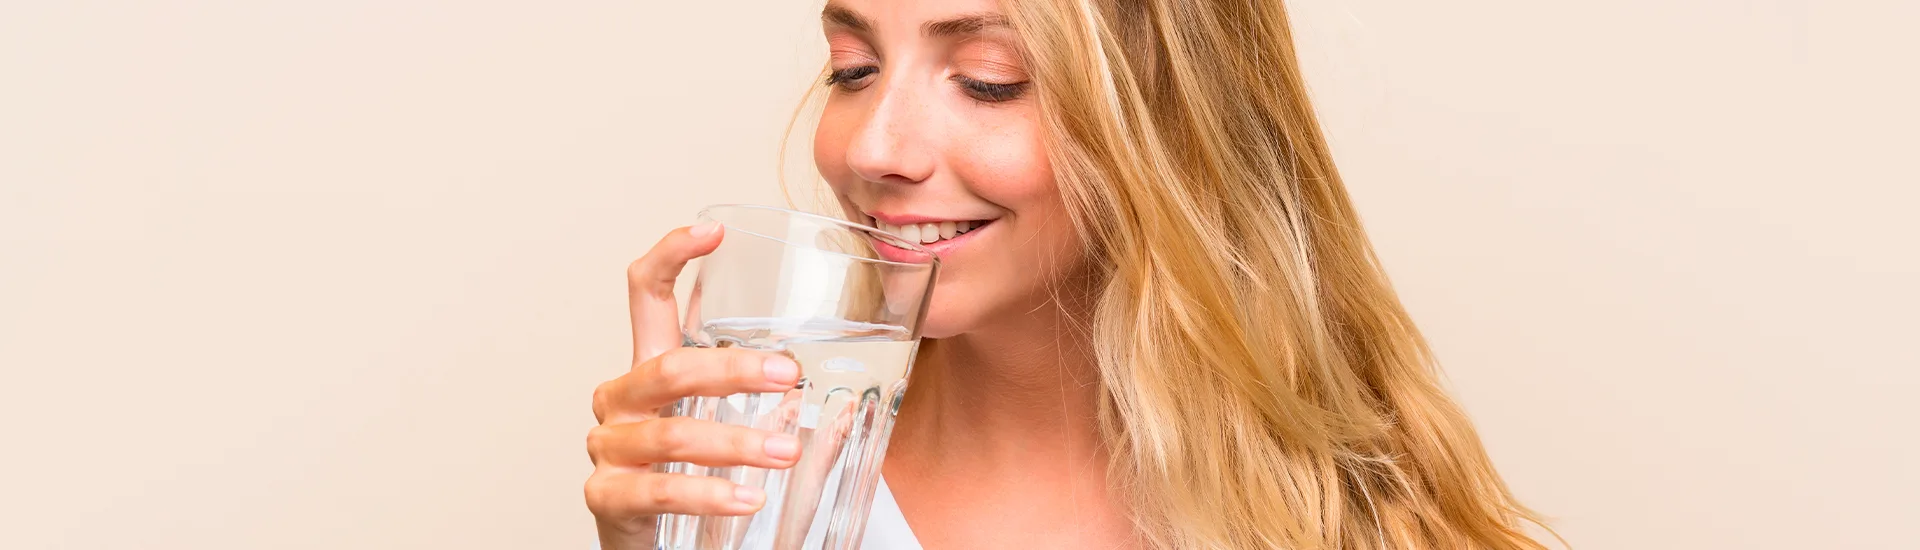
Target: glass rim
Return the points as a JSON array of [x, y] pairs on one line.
[[933, 260]]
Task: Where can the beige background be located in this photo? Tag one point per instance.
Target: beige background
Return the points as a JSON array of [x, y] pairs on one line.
[[342, 274]]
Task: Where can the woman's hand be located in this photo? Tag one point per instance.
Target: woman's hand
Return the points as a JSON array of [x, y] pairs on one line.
[[624, 493]]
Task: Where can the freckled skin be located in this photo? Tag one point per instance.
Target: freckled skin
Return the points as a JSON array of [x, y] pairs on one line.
[[911, 140], [999, 429]]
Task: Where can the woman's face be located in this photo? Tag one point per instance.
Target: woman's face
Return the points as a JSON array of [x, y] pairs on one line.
[[931, 131]]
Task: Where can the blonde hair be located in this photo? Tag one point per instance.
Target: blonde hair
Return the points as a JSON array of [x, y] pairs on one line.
[[1264, 386]]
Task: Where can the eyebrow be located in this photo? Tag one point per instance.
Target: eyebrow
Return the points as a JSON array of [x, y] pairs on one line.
[[963, 25], [972, 23], [836, 15]]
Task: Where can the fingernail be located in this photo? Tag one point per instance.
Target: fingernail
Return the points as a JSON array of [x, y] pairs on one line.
[[783, 447], [705, 228], [747, 495], [780, 369]]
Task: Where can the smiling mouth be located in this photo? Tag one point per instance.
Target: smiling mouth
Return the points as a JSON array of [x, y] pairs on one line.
[[930, 232]]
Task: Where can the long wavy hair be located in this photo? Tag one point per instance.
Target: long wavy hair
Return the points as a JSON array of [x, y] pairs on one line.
[[1264, 387]]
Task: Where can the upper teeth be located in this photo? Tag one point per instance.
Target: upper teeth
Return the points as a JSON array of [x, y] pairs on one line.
[[927, 232]]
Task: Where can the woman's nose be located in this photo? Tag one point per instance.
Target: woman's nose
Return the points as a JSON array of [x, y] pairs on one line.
[[894, 144]]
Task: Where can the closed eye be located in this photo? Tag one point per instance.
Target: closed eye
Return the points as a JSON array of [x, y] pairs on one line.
[[851, 78], [990, 92]]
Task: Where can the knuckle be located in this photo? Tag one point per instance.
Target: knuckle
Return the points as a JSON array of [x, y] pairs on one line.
[[660, 493], [637, 271], [596, 492], [602, 400], [669, 375], [673, 433], [673, 367], [747, 367], [597, 440], [749, 443], [645, 276]]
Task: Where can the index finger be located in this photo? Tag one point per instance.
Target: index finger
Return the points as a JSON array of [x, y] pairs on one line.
[[650, 282], [689, 372]]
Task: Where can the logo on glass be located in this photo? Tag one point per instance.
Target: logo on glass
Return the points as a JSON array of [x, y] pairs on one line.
[[843, 364]]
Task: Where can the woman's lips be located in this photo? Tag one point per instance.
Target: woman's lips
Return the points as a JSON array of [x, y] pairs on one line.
[[942, 247]]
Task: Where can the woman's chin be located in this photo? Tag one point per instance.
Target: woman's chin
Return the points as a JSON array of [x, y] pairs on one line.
[[947, 322], [959, 312], [934, 329]]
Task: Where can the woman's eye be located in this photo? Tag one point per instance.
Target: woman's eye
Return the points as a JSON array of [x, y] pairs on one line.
[[989, 91], [851, 78]]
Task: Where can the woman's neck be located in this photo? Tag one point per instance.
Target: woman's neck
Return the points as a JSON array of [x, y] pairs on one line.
[[1026, 390], [1000, 428]]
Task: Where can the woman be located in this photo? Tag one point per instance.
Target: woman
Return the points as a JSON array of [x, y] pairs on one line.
[[1166, 330]]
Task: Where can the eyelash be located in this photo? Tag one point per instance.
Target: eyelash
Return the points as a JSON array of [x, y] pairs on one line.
[[846, 78], [990, 92], [850, 78]]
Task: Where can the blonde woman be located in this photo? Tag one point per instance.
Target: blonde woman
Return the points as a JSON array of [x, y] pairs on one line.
[[1162, 326]]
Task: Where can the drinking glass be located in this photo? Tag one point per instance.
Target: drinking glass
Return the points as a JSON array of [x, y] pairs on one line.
[[845, 301]]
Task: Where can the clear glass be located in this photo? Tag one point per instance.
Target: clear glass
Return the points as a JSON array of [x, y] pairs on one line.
[[846, 302]]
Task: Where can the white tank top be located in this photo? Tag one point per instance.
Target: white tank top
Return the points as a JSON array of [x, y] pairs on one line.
[[886, 527]]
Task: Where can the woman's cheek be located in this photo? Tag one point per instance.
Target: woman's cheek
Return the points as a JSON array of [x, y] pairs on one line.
[[1007, 165], [830, 149]]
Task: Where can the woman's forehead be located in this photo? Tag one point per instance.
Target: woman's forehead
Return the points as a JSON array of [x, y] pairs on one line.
[[890, 16]]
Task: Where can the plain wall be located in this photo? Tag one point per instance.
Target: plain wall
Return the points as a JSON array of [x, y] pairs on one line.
[[343, 274]]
